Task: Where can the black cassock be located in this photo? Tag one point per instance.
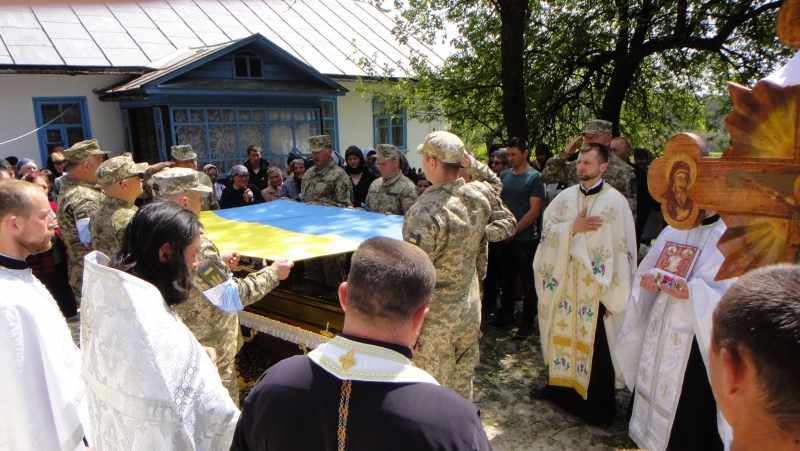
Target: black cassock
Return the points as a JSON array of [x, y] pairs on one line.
[[295, 406]]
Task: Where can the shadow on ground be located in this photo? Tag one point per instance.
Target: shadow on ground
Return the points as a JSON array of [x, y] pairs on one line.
[[509, 369]]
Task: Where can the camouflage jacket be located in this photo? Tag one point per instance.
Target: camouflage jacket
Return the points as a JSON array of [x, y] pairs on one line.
[[108, 224], [209, 199], [490, 185], [449, 222], [394, 196], [77, 200], [212, 326], [620, 175], [330, 186]]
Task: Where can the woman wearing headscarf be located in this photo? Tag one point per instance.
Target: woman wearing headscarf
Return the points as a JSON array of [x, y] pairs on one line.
[[150, 384], [356, 168]]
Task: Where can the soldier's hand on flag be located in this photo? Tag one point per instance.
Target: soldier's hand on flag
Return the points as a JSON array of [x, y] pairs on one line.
[[282, 267], [231, 259]]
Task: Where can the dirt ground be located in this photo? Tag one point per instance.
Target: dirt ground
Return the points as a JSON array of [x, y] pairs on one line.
[[509, 369]]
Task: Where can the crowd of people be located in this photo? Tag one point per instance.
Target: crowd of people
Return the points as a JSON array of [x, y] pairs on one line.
[[708, 362]]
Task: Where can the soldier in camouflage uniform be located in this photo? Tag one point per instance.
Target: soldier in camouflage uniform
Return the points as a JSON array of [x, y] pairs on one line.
[[449, 222], [184, 157], [211, 325], [393, 192], [121, 180], [79, 198], [619, 174], [326, 184]]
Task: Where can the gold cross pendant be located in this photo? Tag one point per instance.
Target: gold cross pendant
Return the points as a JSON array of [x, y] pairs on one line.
[[347, 360]]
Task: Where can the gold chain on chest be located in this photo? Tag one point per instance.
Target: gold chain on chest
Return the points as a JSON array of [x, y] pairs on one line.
[[344, 408]]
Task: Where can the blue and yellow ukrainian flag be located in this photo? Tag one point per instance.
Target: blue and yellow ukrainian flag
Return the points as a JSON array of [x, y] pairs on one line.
[[287, 229]]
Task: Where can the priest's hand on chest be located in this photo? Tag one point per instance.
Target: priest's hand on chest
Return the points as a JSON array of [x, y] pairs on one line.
[[584, 223]]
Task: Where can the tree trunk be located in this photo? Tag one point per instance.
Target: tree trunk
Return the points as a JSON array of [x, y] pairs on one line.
[[513, 15], [618, 86]]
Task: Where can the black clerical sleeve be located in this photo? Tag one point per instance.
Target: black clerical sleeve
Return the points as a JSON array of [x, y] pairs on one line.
[[295, 406]]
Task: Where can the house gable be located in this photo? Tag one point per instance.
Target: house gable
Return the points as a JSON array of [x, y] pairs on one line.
[[264, 70]]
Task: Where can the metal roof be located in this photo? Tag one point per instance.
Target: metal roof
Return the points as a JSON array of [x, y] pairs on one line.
[[329, 35]]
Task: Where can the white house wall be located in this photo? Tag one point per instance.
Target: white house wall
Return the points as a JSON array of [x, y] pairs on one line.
[[17, 116], [356, 124]]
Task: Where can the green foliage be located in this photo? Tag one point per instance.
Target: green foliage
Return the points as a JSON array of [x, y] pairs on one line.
[[668, 61]]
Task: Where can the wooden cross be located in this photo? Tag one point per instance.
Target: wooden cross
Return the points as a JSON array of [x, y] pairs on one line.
[[348, 361], [755, 185]]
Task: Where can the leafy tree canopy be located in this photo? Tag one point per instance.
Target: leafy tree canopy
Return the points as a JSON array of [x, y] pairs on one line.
[[540, 69]]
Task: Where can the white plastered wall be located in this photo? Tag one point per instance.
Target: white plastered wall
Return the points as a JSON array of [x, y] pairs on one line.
[[356, 125], [17, 116]]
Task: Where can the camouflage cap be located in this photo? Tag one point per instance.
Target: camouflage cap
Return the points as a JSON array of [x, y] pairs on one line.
[[387, 152], [317, 143], [444, 146], [177, 180], [82, 150], [598, 127], [183, 152], [142, 167], [115, 170]]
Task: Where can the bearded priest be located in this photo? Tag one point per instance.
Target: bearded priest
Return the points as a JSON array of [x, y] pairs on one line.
[[44, 406], [584, 267]]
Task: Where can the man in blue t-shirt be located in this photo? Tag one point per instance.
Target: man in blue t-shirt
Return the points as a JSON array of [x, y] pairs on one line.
[[523, 193]]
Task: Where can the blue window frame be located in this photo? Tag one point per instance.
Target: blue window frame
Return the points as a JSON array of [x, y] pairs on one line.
[[389, 125], [330, 123], [64, 121], [220, 134], [247, 66]]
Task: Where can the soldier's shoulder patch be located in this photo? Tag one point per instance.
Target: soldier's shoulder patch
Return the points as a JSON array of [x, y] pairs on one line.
[[414, 239], [81, 214], [211, 274]]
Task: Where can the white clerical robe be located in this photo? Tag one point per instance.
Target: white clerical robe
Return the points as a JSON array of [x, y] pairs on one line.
[[43, 395], [151, 386], [575, 272], [656, 338]]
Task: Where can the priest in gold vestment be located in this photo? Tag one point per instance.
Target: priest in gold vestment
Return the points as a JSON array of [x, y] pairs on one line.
[[584, 267]]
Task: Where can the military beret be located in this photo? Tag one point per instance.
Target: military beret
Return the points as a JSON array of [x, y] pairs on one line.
[[444, 146], [177, 180], [82, 150], [183, 152], [317, 143], [115, 170]]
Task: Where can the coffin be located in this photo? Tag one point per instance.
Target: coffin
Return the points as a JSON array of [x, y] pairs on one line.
[[301, 313]]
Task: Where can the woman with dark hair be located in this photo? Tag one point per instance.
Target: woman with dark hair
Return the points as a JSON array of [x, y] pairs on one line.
[[361, 178], [149, 381], [55, 163], [542, 155], [50, 267]]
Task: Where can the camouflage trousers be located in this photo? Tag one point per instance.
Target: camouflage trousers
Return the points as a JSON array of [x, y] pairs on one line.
[[449, 347], [227, 373], [328, 270], [75, 273]]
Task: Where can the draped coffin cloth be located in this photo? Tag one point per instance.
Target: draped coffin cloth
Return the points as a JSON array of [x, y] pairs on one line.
[[656, 338], [150, 385], [599, 267], [296, 231]]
